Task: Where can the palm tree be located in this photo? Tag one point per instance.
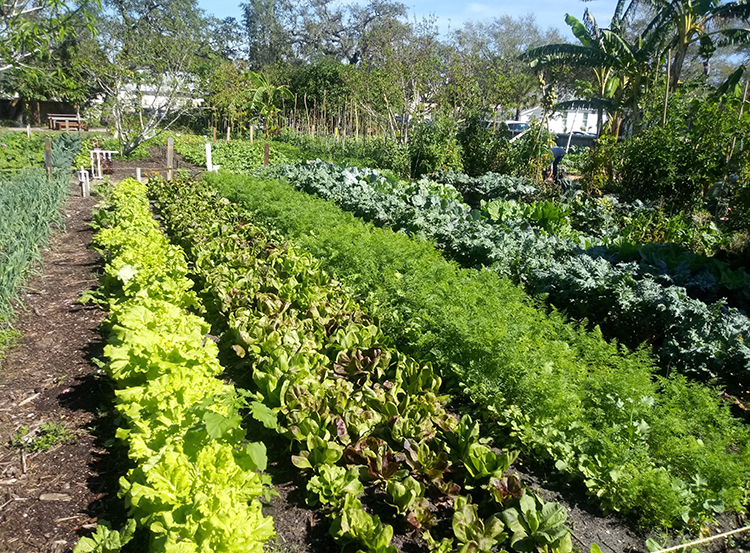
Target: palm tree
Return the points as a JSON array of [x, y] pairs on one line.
[[686, 22]]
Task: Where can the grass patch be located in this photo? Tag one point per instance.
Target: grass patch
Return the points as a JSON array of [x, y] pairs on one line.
[[45, 438]]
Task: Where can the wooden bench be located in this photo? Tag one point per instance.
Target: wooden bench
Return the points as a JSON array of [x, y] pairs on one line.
[[65, 121]]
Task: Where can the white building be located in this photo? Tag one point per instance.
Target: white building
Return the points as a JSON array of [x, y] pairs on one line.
[[584, 120]]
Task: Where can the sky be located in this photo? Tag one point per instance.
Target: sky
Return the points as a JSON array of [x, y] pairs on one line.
[[452, 14]]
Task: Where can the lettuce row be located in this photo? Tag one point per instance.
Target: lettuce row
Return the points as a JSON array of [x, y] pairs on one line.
[[196, 483], [343, 392]]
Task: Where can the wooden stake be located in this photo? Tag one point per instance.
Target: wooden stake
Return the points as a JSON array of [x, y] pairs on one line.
[[351, 117], [229, 131], [214, 140], [48, 157], [295, 111], [307, 115], [170, 157], [266, 153]]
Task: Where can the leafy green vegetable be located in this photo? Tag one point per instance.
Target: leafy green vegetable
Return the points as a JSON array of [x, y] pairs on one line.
[[106, 540], [332, 485], [473, 533], [338, 389], [538, 526]]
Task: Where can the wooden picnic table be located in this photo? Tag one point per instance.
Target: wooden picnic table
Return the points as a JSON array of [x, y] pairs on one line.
[[64, 121]]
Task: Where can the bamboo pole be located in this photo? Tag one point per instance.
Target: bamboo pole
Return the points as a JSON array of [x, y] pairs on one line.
[[307, 115], [356, 123], [170, 157], [742, 109], [296, 126], [48, 157], [704, 540], [666, 94]]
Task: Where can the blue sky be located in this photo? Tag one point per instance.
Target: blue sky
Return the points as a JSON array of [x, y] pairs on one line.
[[451, 14]]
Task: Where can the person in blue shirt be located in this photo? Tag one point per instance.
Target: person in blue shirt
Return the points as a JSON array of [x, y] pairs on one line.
[[557, 154]]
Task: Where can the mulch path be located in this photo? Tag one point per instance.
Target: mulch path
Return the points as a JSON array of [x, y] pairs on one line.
[[48, 498]]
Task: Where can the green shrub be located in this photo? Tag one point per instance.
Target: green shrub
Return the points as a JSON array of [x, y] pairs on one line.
[[530, 154], [359, 152], [17, 151], [679, 163], [483, 150], [659, 166], [599, 165], [433, 146]]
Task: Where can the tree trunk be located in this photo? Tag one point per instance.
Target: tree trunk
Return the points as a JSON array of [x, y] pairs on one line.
[[679, 60]]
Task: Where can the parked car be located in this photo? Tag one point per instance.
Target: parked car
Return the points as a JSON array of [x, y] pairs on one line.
[[576, 138], [516, 127], [584, 134]]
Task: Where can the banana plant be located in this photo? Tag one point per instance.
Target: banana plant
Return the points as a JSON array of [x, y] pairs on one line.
[[266, 97]]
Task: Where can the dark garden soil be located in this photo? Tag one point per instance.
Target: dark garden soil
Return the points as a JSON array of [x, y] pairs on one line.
[[49, 499], [156, 164]]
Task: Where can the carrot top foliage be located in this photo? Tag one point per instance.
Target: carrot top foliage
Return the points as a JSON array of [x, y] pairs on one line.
[[660, 450]]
